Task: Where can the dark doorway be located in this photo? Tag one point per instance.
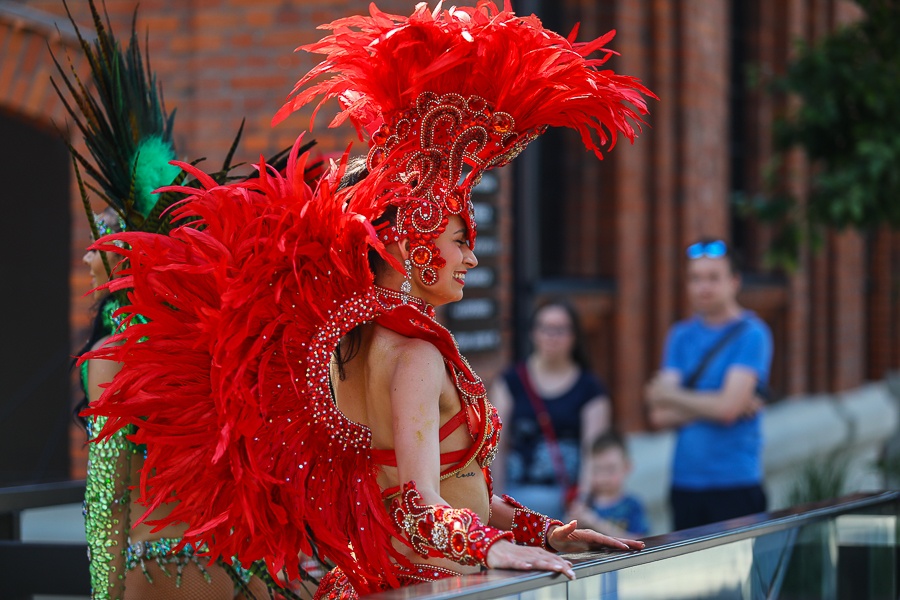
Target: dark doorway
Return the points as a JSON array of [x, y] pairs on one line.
[[34, 305]]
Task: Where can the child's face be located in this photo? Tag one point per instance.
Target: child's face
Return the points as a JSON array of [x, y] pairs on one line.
[[609, 468]]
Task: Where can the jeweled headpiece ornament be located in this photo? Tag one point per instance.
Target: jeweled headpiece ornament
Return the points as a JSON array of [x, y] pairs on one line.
[[443, 96]]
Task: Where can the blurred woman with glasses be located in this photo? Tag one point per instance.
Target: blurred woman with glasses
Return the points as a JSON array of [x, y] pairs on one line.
[[552, 406]]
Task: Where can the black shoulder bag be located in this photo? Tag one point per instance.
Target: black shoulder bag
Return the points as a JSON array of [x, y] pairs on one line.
[[730, 334]]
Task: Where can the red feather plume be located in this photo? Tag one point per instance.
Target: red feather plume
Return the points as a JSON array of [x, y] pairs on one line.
[[378, 65]]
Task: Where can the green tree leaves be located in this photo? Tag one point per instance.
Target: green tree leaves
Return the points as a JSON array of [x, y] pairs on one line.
[[848, 124]]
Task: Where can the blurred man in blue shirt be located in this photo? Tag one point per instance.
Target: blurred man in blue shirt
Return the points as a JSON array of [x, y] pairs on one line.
[[715, 368]]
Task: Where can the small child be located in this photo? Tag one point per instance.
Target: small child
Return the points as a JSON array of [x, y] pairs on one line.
[[608, 509]]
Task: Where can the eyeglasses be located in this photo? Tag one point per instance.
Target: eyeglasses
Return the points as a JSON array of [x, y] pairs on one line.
[[553, 330], [715, 249]]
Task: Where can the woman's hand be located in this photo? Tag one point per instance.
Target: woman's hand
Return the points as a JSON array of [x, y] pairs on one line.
[[580, 512], [566, 538], [506, 555]]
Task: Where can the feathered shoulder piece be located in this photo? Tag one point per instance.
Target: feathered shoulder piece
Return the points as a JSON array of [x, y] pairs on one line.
[[227, 380], [448, 94]]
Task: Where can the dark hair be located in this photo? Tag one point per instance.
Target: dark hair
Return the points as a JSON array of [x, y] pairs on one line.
[[579, 348], [355, 172], [348, 346], [734, 261], [609, 440]]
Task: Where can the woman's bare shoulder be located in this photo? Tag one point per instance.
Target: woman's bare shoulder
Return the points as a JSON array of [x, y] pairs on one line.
[[100, 343], [399, 352]]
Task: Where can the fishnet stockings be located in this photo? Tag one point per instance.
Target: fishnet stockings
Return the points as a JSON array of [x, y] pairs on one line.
[[194, 585]]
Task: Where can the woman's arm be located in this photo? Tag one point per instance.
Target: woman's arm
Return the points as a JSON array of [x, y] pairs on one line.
[[107, 495], [415, 389], [534, 529], [416, 383]]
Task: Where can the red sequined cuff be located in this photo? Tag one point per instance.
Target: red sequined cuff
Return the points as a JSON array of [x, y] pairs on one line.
[[530, 528], [443, 531]]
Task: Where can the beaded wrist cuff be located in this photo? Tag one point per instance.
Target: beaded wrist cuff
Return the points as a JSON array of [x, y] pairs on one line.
[[530, 528], [434, 530]]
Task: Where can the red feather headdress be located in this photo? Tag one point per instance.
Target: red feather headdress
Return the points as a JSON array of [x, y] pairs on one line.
[[445, 95]]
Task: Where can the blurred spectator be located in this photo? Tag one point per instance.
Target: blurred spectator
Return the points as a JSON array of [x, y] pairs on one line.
[[552, 407], [607, 508], [714, 369]]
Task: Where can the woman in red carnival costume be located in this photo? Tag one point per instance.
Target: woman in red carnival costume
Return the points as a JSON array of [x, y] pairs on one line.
[[291, 384]]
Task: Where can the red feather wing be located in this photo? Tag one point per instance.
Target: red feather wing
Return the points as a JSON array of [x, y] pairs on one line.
[[227, 381]]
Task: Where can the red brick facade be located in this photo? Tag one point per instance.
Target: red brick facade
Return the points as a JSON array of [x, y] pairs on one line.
[[836, 320]]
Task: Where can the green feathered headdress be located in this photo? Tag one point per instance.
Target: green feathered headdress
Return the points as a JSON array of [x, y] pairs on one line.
[[121, 114], [127, 131]]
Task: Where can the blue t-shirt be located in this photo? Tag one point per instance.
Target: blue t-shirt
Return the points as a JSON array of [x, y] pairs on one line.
[[628, 514], [710, 455]]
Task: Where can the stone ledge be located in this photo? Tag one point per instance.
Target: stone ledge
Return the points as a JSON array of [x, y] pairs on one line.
[[795, 431]]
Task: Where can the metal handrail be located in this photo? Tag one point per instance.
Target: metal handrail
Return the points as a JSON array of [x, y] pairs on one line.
[[29, 560], [22, 497], [501, 583]]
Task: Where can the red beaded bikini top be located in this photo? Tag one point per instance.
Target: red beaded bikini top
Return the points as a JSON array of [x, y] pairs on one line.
[[416, 319]]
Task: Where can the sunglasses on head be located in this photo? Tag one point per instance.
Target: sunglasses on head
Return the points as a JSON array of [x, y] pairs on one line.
[[714, 249]]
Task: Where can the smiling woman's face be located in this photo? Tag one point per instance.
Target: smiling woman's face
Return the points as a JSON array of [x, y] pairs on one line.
[[453, 245]]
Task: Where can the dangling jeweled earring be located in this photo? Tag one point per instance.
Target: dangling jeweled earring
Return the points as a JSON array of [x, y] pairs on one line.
[[406, 286]]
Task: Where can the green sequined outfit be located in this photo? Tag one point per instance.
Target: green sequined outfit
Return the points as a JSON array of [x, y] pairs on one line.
[[107, 499], [107, 505], [107, 502]]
